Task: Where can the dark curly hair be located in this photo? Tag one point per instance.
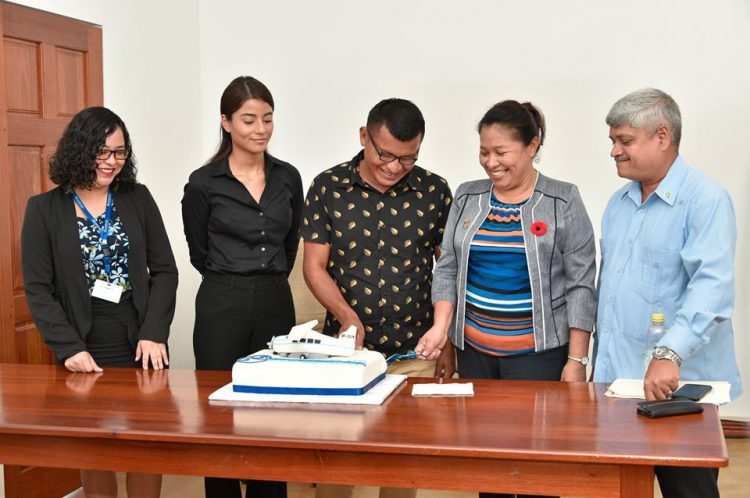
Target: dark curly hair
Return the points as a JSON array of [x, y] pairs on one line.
[[74, 162]]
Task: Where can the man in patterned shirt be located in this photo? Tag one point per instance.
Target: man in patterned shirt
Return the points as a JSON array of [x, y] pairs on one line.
[[371, 227]]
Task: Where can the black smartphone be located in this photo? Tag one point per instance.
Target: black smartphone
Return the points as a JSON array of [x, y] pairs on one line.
[[693, 392]]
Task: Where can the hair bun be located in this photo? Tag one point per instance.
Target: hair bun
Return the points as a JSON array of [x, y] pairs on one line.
[[538, 117]]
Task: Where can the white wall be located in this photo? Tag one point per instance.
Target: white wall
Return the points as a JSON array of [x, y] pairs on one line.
[[327, 62]]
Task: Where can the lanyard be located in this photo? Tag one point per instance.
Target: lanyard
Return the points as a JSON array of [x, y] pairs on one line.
[[103, 231]]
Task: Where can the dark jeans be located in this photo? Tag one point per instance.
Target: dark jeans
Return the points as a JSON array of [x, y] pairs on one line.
[[546, 365], [235, 316]]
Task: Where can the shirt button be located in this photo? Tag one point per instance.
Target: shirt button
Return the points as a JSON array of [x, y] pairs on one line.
[[611, 300], [262, 265], [619, 270], [262, 232], [263, 249], [260, 214]]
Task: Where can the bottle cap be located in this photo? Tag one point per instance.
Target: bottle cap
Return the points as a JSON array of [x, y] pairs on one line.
[[657, 317]]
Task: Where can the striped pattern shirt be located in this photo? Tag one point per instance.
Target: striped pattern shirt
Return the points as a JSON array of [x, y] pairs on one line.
[[499, 318]]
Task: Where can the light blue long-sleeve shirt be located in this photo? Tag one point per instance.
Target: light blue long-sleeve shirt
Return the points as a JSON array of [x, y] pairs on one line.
[[673, 253]]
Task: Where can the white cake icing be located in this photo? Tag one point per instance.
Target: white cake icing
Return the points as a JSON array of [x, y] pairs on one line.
[[267, 372]]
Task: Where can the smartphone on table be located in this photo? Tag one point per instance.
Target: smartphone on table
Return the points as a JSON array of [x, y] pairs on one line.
[[693, 392]]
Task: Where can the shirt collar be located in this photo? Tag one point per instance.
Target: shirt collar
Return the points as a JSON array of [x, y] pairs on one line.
[[668, 188], [413, 179], [222, 166]]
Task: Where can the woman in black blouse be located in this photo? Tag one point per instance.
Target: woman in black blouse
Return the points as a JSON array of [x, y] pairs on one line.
[[99, 272], [241, 213]]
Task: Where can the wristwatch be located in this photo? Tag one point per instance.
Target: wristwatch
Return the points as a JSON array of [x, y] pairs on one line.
[[664, 353], [583, 360]]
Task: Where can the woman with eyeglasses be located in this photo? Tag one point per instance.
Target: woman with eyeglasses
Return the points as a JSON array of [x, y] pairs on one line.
[[241, 212], [99, 273]]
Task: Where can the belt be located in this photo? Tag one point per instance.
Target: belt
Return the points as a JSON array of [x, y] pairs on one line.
[[245, 281]]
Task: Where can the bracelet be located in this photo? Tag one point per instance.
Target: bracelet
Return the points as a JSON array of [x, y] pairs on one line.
[[583, 360]]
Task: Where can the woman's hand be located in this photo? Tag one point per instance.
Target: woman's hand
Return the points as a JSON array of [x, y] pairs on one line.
[[151, 381], [81, 383], [445, 365], [573, 371], [154, 351], [431, 344], [82, 362]]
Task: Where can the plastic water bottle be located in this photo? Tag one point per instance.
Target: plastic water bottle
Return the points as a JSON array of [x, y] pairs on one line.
[[653, 335]]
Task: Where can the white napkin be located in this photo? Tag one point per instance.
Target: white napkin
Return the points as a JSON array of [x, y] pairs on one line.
[[447, 389]]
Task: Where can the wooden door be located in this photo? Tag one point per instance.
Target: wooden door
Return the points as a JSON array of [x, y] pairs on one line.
[[51, 69]]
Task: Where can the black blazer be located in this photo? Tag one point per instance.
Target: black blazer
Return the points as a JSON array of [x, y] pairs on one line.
[[56, 286]]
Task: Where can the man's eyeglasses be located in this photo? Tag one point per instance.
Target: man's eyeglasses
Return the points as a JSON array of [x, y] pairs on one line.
[[120, 154], [387, 157]]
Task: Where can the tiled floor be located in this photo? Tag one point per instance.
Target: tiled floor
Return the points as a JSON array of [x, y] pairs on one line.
[[734, 481]]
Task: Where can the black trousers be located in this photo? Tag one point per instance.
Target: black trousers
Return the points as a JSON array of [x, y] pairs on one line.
[[546, 365], [234, 316], [688, 482]]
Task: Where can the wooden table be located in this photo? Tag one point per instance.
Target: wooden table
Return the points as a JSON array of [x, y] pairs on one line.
[[512, 436]]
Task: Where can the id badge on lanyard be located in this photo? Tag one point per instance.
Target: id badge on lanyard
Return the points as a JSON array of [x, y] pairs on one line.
[[103, 289]]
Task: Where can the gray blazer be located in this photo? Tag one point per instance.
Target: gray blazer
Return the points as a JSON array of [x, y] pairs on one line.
[[562, 262]]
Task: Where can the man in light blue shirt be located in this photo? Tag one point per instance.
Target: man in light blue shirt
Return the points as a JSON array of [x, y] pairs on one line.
[[668, 240]]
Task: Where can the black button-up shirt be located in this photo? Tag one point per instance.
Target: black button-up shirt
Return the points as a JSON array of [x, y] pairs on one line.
[[381, 248], [229, 232]]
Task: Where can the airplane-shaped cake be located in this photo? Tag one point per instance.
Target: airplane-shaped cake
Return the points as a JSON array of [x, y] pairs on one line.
[[303, 341]]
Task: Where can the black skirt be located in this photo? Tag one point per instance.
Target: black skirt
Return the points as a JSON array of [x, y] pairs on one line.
[[114, 330]]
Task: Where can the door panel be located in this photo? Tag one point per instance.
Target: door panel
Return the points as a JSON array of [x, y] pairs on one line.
[[22, 77], [71, 95], [51, 69]]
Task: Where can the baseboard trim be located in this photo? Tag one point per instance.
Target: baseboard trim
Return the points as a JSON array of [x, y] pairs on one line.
[[735, 429]]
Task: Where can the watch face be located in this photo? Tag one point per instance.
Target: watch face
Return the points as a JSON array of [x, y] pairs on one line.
[[584, 361], [660, 352]]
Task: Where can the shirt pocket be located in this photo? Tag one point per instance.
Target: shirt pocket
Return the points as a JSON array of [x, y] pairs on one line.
[[659, 279]]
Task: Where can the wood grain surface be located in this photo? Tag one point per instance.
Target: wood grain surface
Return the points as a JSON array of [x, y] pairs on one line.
[[520, 436]]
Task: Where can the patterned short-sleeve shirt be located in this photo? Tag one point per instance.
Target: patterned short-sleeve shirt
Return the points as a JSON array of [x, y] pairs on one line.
[[381, 248]]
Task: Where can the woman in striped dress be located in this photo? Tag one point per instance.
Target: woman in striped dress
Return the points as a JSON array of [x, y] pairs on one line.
[[514, 286]]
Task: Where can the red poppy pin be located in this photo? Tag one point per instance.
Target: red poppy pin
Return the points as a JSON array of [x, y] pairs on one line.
[[538, 228]]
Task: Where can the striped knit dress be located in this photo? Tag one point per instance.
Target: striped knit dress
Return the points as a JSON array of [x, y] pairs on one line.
[[499, 319]]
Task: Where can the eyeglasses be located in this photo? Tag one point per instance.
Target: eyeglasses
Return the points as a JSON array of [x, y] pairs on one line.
[[387, 157], [120, 154]]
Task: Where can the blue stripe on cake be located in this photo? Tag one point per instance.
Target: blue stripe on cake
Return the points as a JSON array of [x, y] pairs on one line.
[[317, 391]]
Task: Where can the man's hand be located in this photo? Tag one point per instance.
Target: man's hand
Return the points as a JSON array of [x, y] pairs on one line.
[[573, 371], [430, 345], [353, 319], [154, 351], [82, 362], [445, 366], [662, 379]]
